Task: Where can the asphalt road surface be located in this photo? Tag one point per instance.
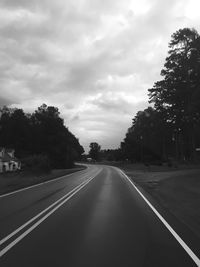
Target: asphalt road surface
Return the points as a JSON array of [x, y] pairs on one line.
[[95, 218]]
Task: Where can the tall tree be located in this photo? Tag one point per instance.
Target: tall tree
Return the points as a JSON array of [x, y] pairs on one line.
[[147, 138], [15, 130], [177, 96], [52, 138], [94, 150]]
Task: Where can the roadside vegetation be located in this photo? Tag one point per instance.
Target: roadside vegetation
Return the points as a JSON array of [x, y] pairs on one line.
[[43, 144], [176, 189], [41, 140], [170, 129], [12, 181]]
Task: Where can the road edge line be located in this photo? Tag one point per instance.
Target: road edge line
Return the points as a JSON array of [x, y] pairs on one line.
[[192, 255], [35, 185]]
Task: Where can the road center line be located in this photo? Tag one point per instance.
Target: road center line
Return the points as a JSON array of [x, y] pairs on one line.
[[64, 198], [38, 215], [172, 231], [19, 238]]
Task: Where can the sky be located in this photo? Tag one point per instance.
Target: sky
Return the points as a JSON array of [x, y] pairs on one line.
[[93, 59]]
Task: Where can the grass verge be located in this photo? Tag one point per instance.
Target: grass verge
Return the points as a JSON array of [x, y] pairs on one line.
[[13, 181], [177, 190]]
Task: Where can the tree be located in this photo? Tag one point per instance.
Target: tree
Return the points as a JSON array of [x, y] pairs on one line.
[[145, 140], [41, 133], [111, 154], [177, 96], [53, 139], [15, 130], [94, 150]]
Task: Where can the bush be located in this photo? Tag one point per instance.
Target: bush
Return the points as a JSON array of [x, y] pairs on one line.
[[37, 163]]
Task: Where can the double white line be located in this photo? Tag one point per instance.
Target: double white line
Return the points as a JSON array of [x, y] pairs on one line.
[[46, 213]]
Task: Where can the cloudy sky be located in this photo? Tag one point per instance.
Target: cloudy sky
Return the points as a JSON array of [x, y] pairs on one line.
[[94, 59]]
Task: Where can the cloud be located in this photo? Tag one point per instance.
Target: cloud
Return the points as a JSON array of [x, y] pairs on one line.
[[5, 102], [93, 59]]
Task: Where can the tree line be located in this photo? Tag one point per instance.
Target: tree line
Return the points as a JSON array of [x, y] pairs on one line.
[[41, 135], [169, 129]]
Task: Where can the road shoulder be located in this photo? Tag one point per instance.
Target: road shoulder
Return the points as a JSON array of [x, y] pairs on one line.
[[178, 191], [10, 182]]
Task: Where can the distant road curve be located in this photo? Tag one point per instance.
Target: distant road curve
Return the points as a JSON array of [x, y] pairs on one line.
[[96, 217]]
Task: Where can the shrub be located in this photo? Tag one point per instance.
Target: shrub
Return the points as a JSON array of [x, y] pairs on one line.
[[37, 163]]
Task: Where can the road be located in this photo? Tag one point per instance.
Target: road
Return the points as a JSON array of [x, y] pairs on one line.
[[95, 218]]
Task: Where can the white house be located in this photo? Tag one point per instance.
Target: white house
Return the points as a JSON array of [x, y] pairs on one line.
[[8, 162]]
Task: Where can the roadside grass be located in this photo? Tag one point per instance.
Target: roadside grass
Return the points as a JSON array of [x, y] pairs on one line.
[[176, 189], [13, 181]]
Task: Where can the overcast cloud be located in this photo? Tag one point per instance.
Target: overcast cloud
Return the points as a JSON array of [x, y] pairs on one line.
[[93, 59]]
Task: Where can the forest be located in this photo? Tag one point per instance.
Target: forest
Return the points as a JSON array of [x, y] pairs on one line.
[[169, 129], [40, 138]]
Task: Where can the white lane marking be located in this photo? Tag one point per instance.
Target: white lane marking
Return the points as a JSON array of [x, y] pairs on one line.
[[19, 238], [35, 185], [172, 231], [39, 214]]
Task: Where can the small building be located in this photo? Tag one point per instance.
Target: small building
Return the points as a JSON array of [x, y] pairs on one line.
[[8, 161], [89, 159]]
